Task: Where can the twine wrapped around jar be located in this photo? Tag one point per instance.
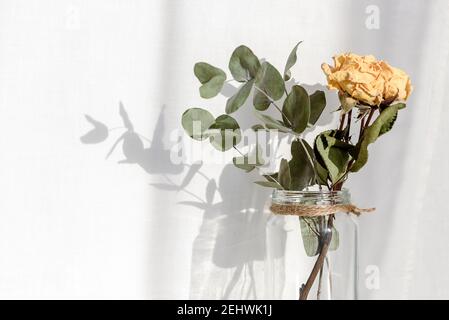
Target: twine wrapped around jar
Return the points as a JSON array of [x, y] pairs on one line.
[[304, 210], [313, 203]]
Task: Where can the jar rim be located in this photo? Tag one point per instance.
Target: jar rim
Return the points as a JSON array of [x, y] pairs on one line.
[[315, 196], [343, 191]]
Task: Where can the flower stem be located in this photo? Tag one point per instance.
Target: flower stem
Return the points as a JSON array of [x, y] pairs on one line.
[[327, 237]]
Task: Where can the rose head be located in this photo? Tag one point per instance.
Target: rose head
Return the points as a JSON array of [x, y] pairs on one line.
[[367, 80]]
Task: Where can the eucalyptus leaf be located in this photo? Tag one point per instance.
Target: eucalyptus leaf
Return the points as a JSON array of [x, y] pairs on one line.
[[250, 161], [272, 177], [381, 125], [268, 184], [260, 101], [238, 99], [242, 163], [301, 170], [270, 81], [196, 122], [284, 174], [224, 133], [292, 58], [317, 105], [243, 64], [335, 241], [296, 109], [310, 239], [271, 123], [257, 127], [211, 78]]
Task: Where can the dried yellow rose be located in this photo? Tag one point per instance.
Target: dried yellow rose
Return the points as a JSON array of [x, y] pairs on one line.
[[367, 80]]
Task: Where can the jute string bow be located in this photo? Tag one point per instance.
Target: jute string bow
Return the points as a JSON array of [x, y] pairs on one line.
[[304, 210]]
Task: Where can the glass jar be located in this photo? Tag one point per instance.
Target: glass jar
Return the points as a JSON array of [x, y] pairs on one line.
[[311, 257]]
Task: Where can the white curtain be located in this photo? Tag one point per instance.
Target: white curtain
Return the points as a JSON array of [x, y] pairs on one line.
[[74, 224]]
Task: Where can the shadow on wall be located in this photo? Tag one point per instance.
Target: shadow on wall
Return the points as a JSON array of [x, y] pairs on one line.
[[154, 159], [232, 236], [236, 234], [230, 251]]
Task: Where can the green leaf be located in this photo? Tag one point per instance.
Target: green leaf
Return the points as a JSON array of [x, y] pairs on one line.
[[301, 170], [243, 64], [388, 124], [270, 81], [250, 161], [310, 239], [290, 62], [238, 99], [309, 229], [322, 173], [260, 101], [347, 102], [211, 78], [400, 105], [335, 241], [271, 123], [268, 184], [257, 127], [196, 121], [284, 174], [317, 105], [334, 153], [224, 133], [271, 177], [296, 109], [242, 163], [381, 125]]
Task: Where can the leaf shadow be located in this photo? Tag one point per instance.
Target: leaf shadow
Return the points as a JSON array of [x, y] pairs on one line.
[[153, 159], [231, 242]]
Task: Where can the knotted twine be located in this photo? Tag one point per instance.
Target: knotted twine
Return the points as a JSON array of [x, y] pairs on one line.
[[305, 210]]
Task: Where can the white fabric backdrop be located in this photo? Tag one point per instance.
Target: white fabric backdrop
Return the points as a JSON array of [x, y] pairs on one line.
[[76, 225]]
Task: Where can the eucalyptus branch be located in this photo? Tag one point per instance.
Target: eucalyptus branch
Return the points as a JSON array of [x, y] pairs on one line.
[[258, 170], [311, 228], [274, 104], [241, 153], [272, 179], [266, 95]]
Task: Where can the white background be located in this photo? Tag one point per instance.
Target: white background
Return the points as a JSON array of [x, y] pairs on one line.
[[76, 225]]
